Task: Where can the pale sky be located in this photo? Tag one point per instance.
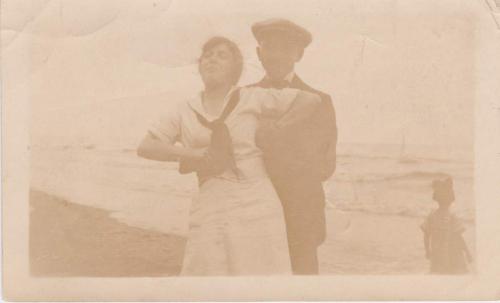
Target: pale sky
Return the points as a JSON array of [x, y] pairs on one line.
[[102, 69]]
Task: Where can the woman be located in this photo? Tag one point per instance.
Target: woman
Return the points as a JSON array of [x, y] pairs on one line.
[[237, 226]]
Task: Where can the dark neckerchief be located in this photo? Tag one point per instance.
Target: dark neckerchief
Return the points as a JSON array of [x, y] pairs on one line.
[[221, 151], [231, 104]]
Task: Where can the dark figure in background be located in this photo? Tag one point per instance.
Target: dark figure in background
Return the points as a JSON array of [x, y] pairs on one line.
[[298, 158], [444, 244]]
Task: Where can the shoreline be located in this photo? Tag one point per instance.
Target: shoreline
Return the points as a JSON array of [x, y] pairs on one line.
[[68, 239]]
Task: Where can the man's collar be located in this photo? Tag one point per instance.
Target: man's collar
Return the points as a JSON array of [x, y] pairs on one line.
[[286, 82], [288, 78]]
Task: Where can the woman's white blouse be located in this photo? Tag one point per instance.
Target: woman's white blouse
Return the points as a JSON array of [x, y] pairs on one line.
[[179, 123]]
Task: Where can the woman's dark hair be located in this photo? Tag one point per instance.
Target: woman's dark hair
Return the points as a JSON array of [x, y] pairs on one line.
[[235, 51]]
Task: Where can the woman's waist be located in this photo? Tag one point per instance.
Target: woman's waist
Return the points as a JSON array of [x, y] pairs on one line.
[[247, 168]]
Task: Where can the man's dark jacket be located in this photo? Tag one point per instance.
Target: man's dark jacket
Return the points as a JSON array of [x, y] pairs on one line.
[[298, 158]]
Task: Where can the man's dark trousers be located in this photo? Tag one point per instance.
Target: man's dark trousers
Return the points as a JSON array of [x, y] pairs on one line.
[[296, 168]]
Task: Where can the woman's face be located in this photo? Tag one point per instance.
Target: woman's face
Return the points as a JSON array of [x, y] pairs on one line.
[[217, 65]]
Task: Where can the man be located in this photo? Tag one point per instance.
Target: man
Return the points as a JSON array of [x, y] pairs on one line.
[[298, 158]]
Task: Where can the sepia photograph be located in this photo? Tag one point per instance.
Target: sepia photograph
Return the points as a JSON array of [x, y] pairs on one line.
[[180, 140]]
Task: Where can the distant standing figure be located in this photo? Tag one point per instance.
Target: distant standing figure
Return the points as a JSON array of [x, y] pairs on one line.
[[444, 245]]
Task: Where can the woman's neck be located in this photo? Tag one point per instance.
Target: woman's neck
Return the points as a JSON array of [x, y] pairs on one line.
[[213, 98]]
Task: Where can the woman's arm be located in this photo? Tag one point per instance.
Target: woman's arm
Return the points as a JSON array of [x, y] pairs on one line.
[[303, 106], [154, 149]]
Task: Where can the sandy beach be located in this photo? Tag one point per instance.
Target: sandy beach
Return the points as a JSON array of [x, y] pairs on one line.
[[68, 239]]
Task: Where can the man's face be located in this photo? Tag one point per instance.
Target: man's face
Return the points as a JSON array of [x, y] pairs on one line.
[[278, 55]]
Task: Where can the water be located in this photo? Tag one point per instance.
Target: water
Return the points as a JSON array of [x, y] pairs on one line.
[[153, 195], [398, 186]]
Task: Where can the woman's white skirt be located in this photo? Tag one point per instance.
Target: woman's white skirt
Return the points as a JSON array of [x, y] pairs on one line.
[[236, 228]]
